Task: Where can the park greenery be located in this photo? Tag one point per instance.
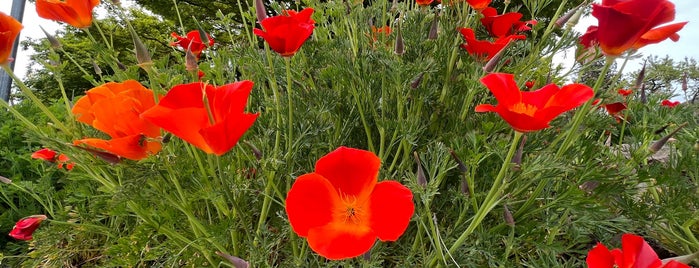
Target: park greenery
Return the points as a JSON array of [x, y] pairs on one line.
[[484, 195]]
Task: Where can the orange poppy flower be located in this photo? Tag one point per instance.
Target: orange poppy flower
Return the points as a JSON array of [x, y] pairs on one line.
[[9, 29], [669, 103], [531, 110], [214, 129], [424, 2], [614, 110], [192, 41], [478, 4], [115, 109], [631, 24], [49, 155], [634, 252], [24, 228], [286, 33], [482, 49], [341, 209], [505, 24], [624, 92], [77, 13]]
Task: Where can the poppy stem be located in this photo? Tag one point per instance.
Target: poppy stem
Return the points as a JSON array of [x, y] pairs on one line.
[[289, 93], [491, 200]]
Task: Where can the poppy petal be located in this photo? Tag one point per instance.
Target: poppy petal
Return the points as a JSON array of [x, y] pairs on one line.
[[391, 207], [599, 257], [352, 172], [503, 87], [132, 147], [225, 135], [310, 203], [539, 97], [659, 34], [338, 240], [636, 251]]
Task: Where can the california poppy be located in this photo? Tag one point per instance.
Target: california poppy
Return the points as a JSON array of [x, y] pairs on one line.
[[424, 2], [286, 33], [505, 24], [77, 13], [25, 227], [631, 24], [9, 29], [531, 110], [530, 84], [192, 41], [624, 92], [614, 110], [478, 4], [341, 209], [49, 155], [214, 129], [482, 49], [634, 252], [669, 103], [115, 109]]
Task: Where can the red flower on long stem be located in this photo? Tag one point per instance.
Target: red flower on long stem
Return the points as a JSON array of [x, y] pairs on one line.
[[631, 24], [77, 13], [478, 4], [505, 24], [51, 156], [9, 29], [669, 103], [341, 209], [115, 109], [614, 110], [211, 118], [634, 253], [286, 33], [192, 41], [25, 227], [482, 49], [531, 110]]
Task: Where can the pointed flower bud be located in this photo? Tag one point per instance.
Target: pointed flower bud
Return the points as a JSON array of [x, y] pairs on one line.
[[641, 76], [142, 54], [96, 67], [575, 18], [421, 178], [509, 219], [493, 62], [399, 49], [458, 161], [656, 146], [190, 61], [517, 159], [434, 28], [367, 255], [121, 65], [684, 82], [55, 44], [255, 151], [564, 19], [260, 11], [5, 180], [237, 262], [464, 186], [416, 82]]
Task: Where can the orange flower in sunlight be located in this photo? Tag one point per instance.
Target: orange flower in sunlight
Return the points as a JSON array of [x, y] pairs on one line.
[[287, 32], [77, 13], [25, 227], [192, 41], [49, 155], [531, 110], [211, 118], [341, 209], [115, 109], [634, 252], [9, 29], [631, 24]]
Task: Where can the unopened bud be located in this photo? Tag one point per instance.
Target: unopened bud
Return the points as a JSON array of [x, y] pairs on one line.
[[564, 19], [255, 151], [509, 219], [121, 65], [517, 159], [55, 44], [434, 28], [641, 76], [190, 60], [463, 168], [260, 11], [493, 62], [660, 130], [237, 262], [367, 255], [142, 54], [399, 49], [588, 186], [644, 99], [464, 186], [421, 178], [684, 82], [96, 67], [575, 18], [5, 180], [416, 82], [656, 146]]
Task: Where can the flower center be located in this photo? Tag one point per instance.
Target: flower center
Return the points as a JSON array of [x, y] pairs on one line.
[[352, 210], [523, 108]]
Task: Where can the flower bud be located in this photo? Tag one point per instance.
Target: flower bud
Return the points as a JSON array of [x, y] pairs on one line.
[[684, 82], [121, 65], [509, 219], [563, 20], [255, 151], [96, 67], [399, 49], [416, 82], [434, 28], [575, 18], [517, 159], [656, 146], [237, 262], [142, 54], [588, 186], [190, 61], [464, 186], [5, 180], [493, 62], [260, 11], [641, 76], [421, 178], [55, 44], [463, 168]]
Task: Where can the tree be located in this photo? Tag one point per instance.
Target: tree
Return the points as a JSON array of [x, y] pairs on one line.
[[667, 76]]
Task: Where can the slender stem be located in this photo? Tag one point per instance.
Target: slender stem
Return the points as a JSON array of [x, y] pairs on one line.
[[289, 95]]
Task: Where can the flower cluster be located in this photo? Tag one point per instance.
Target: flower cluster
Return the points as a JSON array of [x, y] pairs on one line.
[[51, 156], [634, 252]]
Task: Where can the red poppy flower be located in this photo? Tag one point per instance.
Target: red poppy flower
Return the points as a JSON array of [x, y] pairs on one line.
[[669, 103], [635, 252], [286, 33], [341, 209], [49, 155], [631, 24], [530, 84], [624, 92], [115, 109], [505, 24], [9, 29], [77, 13], [192, 41], [424, 2], [214, 129], [25, 227], [478, 4], [614, 110], [485, 50], [532, 110]]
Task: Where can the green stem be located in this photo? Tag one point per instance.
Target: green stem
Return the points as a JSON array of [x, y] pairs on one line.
[[289, 95]]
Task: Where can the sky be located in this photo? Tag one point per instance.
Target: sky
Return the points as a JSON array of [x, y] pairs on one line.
[[685, 47]]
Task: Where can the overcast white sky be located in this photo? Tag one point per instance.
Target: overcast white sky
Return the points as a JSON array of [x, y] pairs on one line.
[[687, 46]]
